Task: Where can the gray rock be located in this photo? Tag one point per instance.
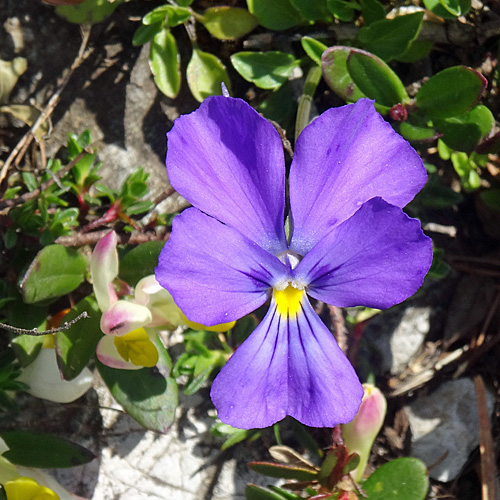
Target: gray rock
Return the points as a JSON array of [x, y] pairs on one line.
[[446, 421]]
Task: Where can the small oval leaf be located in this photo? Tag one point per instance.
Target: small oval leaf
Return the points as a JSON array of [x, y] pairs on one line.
[[89, 11], [451, 92], [313, 48], [144, 33], [401, 478], [376, 79], [228, 23], [31, 449], [276, 15], [165, 63], [54, 272], [205, 73], [267, 70]]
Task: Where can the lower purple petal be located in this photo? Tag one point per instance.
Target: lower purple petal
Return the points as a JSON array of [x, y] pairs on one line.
[[288, 366]]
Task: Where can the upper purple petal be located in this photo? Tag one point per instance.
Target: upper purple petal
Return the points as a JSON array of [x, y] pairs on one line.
[[214, 273], [228, 162], [376, 258], [287, 367], [345, 157]]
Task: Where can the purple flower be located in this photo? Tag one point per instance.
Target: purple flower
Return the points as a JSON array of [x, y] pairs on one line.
[[350, 244]]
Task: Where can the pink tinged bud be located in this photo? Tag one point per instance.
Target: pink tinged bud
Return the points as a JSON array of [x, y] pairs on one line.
[[123, 317], [164, 311], [104, 269], [360, 433], [398, 112]]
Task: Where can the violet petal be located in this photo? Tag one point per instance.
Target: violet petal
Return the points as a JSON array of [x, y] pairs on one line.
[[345, 157], [213, 272], [228, 162], [377, 258]]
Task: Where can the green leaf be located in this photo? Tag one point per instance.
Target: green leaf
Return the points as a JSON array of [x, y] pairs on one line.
[[145, 33], [254, 492], [267, 70], [390, 38], [228, 23], [280, 106], [336, 75], [464, 132], [375, 79], [312, 11], [10, 71], [76, 345], [451, 92], [54, 272], [31, 449], [313, 48], [342, 9], [149, 395], [276, 15], [283, 471], [372, 10], [205, 73], [448, 9], [89, 11], [439, 268], [165, 63], [170, 14], [403, 478], [491, 198], [417, 50], [436, 195], [417, 133]]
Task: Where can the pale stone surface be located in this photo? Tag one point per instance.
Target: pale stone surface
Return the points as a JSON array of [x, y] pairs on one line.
[[397, 336], [446, 421]]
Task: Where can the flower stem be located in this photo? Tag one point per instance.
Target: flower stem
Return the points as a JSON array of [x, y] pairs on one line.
[[304, 108]]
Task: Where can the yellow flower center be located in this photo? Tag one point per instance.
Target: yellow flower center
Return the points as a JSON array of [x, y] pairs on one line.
[[137, 348], [288, 301], [25, 488]]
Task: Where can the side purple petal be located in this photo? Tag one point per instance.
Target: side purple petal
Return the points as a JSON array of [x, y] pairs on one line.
[[213, 272], [228, 162], [345, 157], [377, 258], [287, 367]]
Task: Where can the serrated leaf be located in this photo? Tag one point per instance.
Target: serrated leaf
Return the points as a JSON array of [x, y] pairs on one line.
[[140, 262], [205, 73], [401, 478], [376, 79], [390, 38], [144, 33], [31, 449], [54, 272], [10, 71], [165, 63], [312, 11], [448, 9], [313, 48], [276, 15], [267, 70], [76, 345], [464, 132], [336, 75], [451, 92], [284, 471], [89, 11], [149, 395], [254, 492], [228, 23]]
